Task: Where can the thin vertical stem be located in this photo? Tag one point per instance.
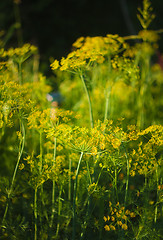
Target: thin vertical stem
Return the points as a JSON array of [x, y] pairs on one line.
[[89, 211], [5, 213], [69, 181], [59, 210], [128, 173], [53, 186], [20, 72], [90, 181], [115, 185], [107, 104], [74, 198], [35, 213], [127, 181], [155, 217], [106, 107], [35, 68], [40, 170], [41, 152], [21, 147], [89, 101]]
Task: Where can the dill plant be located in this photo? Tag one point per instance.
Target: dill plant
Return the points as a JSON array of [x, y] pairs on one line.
[[17, 101], [122, 75], [96, 175]]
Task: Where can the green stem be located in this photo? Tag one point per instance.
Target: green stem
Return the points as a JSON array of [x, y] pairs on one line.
[[35, 213], [21, 147], [69, 181], [127, 181], [115, 185], [20, 72], [40, 171], [36, 68], [5, 213], [89, 101], [128, 173], [53, 187], [144, 85], [106, 108], [107, 104], [74, 198], [89, 175], [41, 152], [155, 217], [89, 210], [59, 211], [99, 175]]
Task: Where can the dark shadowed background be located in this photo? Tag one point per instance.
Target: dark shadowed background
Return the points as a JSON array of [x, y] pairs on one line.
[[53, 25]]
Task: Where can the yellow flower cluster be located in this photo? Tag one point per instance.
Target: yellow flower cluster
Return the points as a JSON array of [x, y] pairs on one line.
[[46, 121], [149, 36], [39, 120], [15, 100], [102, 137], [119, 217], [143, 159], [43, 168], [25, 51], [89, 50], [126, 67]]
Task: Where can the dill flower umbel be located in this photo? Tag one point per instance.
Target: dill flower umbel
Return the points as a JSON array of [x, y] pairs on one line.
[[89, 50], [119, 216]]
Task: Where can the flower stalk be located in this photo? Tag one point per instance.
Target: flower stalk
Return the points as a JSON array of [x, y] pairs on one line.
[[89, 101], [74, 197]]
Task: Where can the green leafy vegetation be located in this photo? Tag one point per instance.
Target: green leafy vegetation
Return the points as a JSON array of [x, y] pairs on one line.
[[90, 168]]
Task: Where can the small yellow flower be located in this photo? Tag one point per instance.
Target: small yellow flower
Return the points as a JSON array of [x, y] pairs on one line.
[[124, 227], [138, 194], [118, 215], [120, 212], [55, 65], [119, 223], [127, 212], [116, 143], [124, 217], [79, 42], [21, 166], [112, 213], [112, 227], [94, 150], [132, 173], [3, 199], [59, 148], [107, 228], [100, 165], [132, 214]]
